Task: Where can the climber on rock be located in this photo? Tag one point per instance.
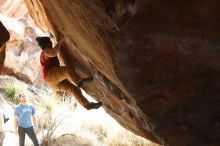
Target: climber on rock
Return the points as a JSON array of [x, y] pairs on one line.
[[60, 77]]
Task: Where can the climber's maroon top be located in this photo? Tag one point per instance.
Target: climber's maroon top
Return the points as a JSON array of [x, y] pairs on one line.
[[48, 64]]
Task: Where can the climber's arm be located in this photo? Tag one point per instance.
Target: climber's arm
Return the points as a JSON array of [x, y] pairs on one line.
[[53, 52]]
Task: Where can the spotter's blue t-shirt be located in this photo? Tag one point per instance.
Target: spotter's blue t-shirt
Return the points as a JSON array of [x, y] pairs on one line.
[[24, 113]]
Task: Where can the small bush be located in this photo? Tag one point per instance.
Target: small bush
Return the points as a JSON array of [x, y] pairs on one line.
[[11, 89]]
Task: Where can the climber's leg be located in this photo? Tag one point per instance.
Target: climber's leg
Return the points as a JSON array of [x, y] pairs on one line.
[[68, 87], [57, 74], [57, 79], [76, 92], [76, 78], [73, 75]]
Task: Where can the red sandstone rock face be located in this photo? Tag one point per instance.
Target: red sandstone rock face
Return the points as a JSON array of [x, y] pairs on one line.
[[13, 8], [4, 69], [22, 52], [156, 63]]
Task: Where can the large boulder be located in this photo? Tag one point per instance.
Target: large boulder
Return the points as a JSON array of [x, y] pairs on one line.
[[155, 63]]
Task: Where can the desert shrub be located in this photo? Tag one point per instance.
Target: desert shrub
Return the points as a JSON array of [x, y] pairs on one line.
[[48, 108], [47, 134], [10, 90]]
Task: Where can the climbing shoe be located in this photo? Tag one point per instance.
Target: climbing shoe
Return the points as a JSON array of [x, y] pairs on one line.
[[80, 83], [93, 105]]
